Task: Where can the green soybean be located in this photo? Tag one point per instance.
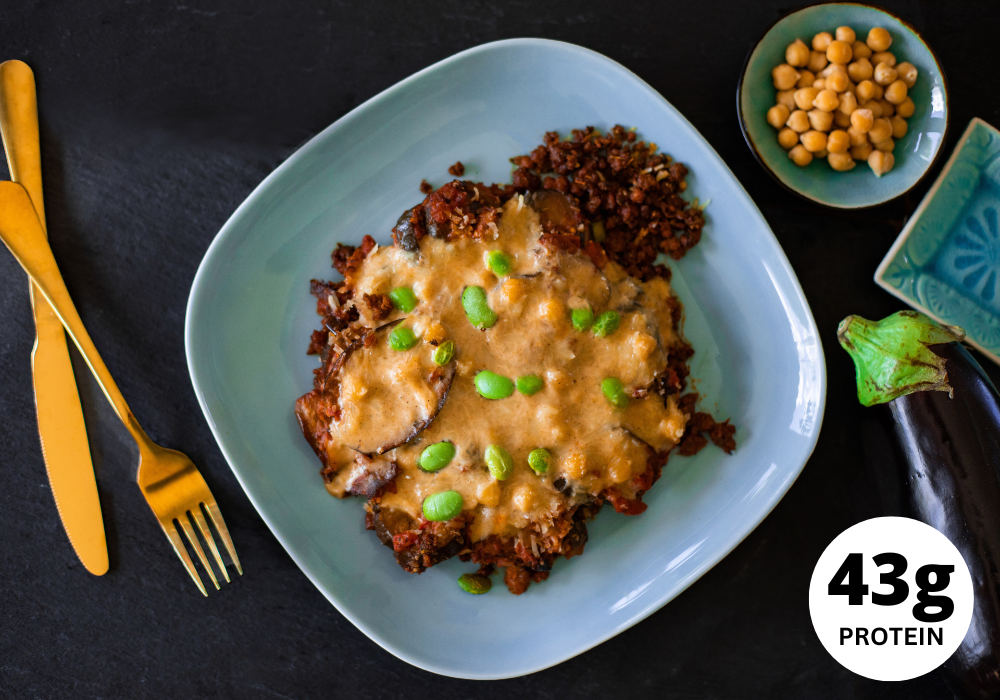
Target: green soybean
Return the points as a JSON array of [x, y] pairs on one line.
[[436, 456], [498, 262], [607, 323], [443, 505], [477, 584], [499, 461], [402, 338], [403, 299], [477, 309], [614, 392], [530, 384], [582, 319], [539, 459], [445, 351], [493, 386]]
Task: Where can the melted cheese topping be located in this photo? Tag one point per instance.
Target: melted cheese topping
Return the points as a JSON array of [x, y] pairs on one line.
[[594, 445]]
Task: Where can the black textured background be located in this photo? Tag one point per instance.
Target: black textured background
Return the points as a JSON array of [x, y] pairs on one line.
[[157, 120]]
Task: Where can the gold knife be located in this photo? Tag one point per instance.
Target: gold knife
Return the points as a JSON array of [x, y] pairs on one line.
[[61, 428]]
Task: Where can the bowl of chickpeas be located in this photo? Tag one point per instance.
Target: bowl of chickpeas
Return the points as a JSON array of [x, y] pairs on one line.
[[844, 104]]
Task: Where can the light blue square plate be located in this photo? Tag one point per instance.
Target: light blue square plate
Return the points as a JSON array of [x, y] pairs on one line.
[[915, 153], [946, 261], [759, 359]]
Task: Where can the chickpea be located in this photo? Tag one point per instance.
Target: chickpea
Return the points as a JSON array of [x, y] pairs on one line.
[[804, 97], [797, 54], [846, 34], [822, 41], [800, 156], [786, 97], [859, 49], [842, 120], [839, 52], [813, 141], [852, 88], [899, 127], [841, 162], [787, 138], [826, 100], [861, 119], [879, 91], [880, 162], [838, 141], [820, 120], [831, 69], [806, 78], [857, 137], [817, 61], [866, 90], [907, 73], [523, 498], [884, 73], [885, 146], [861, 152], [880, 131], [848, 103], [798, 121], [905, 108], [884, 57], [896, 93], [838, 82], [860, 70], [874, 106], [878, 40], [777, 116], [819, 84], [887, 109], [784, 76], [821, 154]]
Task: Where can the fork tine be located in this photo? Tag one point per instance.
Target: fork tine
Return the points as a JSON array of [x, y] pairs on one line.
[[193, 539], [178, 543], [206, 534], [220, 525]]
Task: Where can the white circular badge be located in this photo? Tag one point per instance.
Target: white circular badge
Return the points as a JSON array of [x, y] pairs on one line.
[[891, 598]]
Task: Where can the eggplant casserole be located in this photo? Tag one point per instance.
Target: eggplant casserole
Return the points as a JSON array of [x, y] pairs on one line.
[[513, 361]]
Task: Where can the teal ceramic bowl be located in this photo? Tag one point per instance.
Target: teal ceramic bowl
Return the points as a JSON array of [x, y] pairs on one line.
[[758, 359], [915, 153]]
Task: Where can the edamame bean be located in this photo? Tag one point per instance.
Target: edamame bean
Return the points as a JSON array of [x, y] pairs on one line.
[[403, 299], [443, 505], [444, 352], [402, 338], [477, 584], [607, 323], [436, 456], [498, 262], [477, 309], [539, 459], [499, 461], [493, 386], [614, 392], [582, 319], [530, 384]]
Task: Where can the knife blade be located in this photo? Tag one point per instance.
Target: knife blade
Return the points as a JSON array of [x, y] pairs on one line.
[[61, 426]]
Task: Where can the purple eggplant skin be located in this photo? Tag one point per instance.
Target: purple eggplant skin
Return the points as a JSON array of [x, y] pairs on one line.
[[950, 449]]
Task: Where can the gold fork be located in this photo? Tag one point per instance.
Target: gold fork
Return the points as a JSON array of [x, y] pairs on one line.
[[172, 485]]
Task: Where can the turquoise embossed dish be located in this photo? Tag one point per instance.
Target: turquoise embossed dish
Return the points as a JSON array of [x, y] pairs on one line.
[[249, 317], [915, 153], [946, 261]]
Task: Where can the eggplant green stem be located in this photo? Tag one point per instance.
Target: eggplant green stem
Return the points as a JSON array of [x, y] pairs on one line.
[[892, 356]]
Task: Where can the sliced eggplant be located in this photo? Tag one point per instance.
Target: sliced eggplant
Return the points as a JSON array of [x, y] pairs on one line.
[[369, 474], [943, 415]]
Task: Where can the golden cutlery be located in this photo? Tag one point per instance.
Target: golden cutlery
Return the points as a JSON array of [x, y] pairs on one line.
[[61, 427], [172, 485]]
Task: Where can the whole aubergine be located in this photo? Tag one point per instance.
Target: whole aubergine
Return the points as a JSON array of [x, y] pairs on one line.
[[945, 414]]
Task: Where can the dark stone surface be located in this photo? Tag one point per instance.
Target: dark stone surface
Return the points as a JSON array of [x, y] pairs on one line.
[[157, 121]]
